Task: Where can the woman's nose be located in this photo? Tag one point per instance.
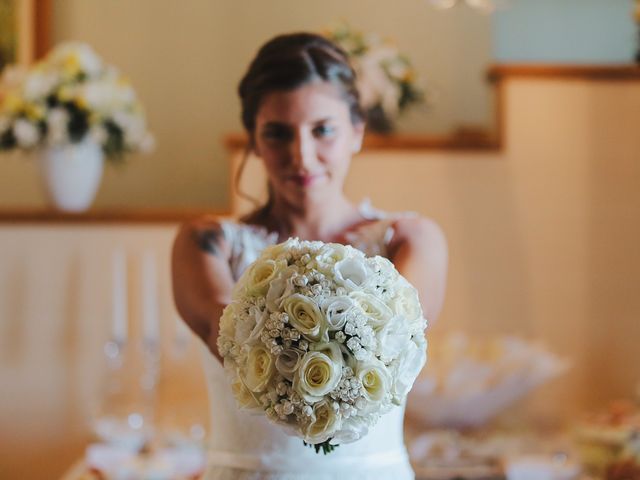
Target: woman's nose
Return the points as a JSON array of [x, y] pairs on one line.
[[303, 151]]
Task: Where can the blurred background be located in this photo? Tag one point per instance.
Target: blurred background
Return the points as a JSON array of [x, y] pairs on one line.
[[525, 150]]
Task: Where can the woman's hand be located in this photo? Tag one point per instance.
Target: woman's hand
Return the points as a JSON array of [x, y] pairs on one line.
[[419, 252], [202, 279]]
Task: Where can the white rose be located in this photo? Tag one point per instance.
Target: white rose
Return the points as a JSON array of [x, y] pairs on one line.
[[324, 422], [337, 310], [288, 361], [353, 428], [393, 338], [259, 369], [39, 85], [331, 350], [255, 323], [258, 276], [26, 133], [375, 379], [305, 316], [327, 256], [316, 376], [244, 396], [351, 273], [379, 313], [280, 288], [407, 304], [407, 368]]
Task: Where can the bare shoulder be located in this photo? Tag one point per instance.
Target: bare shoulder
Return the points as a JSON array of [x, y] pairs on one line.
[[204, 233], [419, 232]]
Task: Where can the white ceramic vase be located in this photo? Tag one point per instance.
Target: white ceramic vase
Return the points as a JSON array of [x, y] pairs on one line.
[[72, 174]]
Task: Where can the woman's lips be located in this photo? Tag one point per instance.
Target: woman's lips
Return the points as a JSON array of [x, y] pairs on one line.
[[305, 180]]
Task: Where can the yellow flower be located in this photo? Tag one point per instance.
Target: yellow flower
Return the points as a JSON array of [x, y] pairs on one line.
[[12, 103], [375, 380], [259, 276], [305, 316], [65, 94], [260, 368], [317, 376], [34, 111], [82, 103], [71, 65], [243, 395], [324, 423]]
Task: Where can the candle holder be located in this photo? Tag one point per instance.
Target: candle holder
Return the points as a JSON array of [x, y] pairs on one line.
[[125, 412]]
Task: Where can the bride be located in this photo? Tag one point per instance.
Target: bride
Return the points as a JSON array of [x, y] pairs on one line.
[[301, 110]]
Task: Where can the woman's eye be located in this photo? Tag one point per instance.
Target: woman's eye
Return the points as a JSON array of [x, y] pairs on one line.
[[278, 134], [323, 131]]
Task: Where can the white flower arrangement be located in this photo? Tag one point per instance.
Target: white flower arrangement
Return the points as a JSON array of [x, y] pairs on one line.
[[386, 78], [69, 96], [322, 339]]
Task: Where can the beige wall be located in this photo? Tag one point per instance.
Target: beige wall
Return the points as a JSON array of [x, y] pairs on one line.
[[186, 58]]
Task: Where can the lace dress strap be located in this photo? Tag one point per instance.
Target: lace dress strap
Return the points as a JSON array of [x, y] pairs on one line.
[[374, 238], [246, 242]]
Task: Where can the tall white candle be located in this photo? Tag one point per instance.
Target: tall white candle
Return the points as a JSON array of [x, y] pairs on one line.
[[119, 296], [150, 319]]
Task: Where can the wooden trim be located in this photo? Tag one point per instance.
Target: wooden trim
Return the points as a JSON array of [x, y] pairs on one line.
[[465, 138], [102, 216], [43, 18], [583, 72]]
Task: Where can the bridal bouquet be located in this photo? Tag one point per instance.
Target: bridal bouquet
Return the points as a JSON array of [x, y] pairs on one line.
[[69, 96], [322, 339]]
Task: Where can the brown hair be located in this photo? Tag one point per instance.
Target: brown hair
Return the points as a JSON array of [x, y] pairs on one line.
[[287, 62]]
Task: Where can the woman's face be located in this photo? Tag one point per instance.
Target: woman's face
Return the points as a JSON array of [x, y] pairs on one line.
[[306, 139]]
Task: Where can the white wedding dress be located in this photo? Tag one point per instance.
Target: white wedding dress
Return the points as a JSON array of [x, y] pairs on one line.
[[246, 446]]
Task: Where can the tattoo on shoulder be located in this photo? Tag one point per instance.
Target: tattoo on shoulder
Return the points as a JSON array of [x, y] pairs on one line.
[[208, 239]]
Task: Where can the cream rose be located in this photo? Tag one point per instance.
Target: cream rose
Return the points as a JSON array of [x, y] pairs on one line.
[[317, 375], [259, 369], [280, 288], [323, 425], [281, 250], [244, 396], [259, 275], [379, 314], [305, 316], [375, 379], [288, 361]]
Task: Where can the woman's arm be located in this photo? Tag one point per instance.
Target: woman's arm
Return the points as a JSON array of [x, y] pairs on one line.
[[202, 279], [419, 252]]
